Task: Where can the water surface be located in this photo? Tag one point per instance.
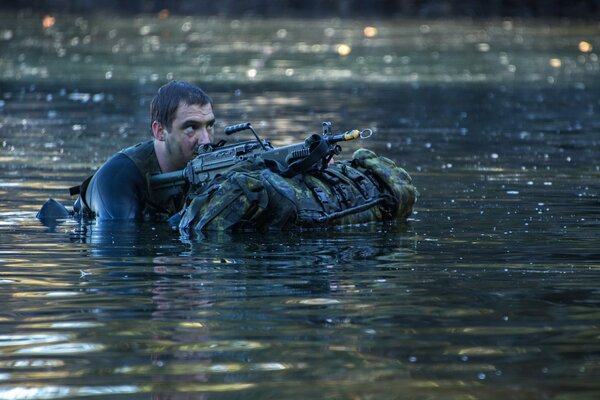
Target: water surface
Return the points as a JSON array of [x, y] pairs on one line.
[[490, 290]]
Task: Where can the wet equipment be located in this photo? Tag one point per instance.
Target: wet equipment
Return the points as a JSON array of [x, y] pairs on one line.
[[287, 160], [254, 186]]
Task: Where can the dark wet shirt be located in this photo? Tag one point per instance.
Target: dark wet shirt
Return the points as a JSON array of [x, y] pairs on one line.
[[118, 190]]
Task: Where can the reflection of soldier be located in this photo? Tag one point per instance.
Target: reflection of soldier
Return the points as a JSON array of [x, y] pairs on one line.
[[113, 239], [182, 119], [203, 311], [321, 263]]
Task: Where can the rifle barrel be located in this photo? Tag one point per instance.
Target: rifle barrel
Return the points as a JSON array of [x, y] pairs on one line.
[[349, 135], [168, 178]]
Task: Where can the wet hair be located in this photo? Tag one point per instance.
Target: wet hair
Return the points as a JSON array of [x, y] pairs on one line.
[[164, 106]]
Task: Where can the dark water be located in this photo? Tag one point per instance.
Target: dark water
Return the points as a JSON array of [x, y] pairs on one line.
[[490, 291]]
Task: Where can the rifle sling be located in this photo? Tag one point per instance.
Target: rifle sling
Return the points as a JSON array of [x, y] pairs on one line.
[[316, 154]]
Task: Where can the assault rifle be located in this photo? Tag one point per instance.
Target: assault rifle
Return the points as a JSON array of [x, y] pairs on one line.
[[288, 160]]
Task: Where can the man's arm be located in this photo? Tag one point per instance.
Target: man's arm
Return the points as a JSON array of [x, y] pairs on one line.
[[117, 190]]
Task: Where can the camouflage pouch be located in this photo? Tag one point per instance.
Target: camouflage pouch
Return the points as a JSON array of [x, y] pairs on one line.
[[393, 180], [252, 196], [229, 202]]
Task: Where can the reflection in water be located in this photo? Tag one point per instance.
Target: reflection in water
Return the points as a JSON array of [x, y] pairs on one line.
[[235, 313], [488, 291]]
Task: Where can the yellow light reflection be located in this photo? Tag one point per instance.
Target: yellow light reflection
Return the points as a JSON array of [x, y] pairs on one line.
[[43, 283], [31, 363], [25, 340], [191, 325], [227, 387], [344, 49], [60, 392], [222, 346], [202, 368], [318, 301], [62, 348], [163, 14], [555, 62], [270, 366], [585, 47], [370, 31], [48, 21]]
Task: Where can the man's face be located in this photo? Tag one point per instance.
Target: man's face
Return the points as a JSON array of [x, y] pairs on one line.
[[192, 126]]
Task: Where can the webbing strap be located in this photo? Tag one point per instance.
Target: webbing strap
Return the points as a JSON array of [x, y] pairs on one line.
[[80, 189], [351, 210]]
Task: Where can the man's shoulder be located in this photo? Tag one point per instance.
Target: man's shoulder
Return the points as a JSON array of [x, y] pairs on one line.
[[143, 156], [130, 161], [118, 162], [143, 149]]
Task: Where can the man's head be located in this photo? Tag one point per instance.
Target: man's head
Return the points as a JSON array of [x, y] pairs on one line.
[[182, 119], [164, 106]]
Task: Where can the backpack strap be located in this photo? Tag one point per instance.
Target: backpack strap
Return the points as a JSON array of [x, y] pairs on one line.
[[80, 189], [351, 210]]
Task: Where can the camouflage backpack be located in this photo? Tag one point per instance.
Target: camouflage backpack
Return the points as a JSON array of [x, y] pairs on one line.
[[252, 196]]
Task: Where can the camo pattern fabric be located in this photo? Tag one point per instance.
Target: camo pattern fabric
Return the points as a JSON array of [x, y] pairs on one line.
[[251, 196]]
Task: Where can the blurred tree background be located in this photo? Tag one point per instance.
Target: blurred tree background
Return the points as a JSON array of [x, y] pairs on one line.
[[584, 9]]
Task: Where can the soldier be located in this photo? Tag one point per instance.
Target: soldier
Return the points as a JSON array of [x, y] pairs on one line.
[[254, 193], [182, 119]]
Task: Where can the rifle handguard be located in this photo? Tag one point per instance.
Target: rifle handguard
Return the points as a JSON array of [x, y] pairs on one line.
[[291, 159]]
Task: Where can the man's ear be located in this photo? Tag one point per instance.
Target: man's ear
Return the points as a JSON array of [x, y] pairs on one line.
[[158, 131]]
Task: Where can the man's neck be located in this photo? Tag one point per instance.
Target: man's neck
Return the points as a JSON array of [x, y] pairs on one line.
[[160, 149]]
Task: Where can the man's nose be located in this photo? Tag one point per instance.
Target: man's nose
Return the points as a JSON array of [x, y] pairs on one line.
[[202, 136]]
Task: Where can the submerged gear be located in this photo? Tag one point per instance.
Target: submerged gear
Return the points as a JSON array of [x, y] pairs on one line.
[[250, 195]]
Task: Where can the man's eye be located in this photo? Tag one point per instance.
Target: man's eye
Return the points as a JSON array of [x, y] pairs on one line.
[[189, 131]]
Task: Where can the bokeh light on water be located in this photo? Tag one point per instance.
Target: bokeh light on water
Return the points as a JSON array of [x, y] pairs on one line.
[[148, 49], [489, 291]]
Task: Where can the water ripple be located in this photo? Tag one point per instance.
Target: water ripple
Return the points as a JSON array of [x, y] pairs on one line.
[[63, 348], [61, 392]]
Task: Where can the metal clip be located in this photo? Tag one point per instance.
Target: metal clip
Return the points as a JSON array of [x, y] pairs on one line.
[[366, 133]]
